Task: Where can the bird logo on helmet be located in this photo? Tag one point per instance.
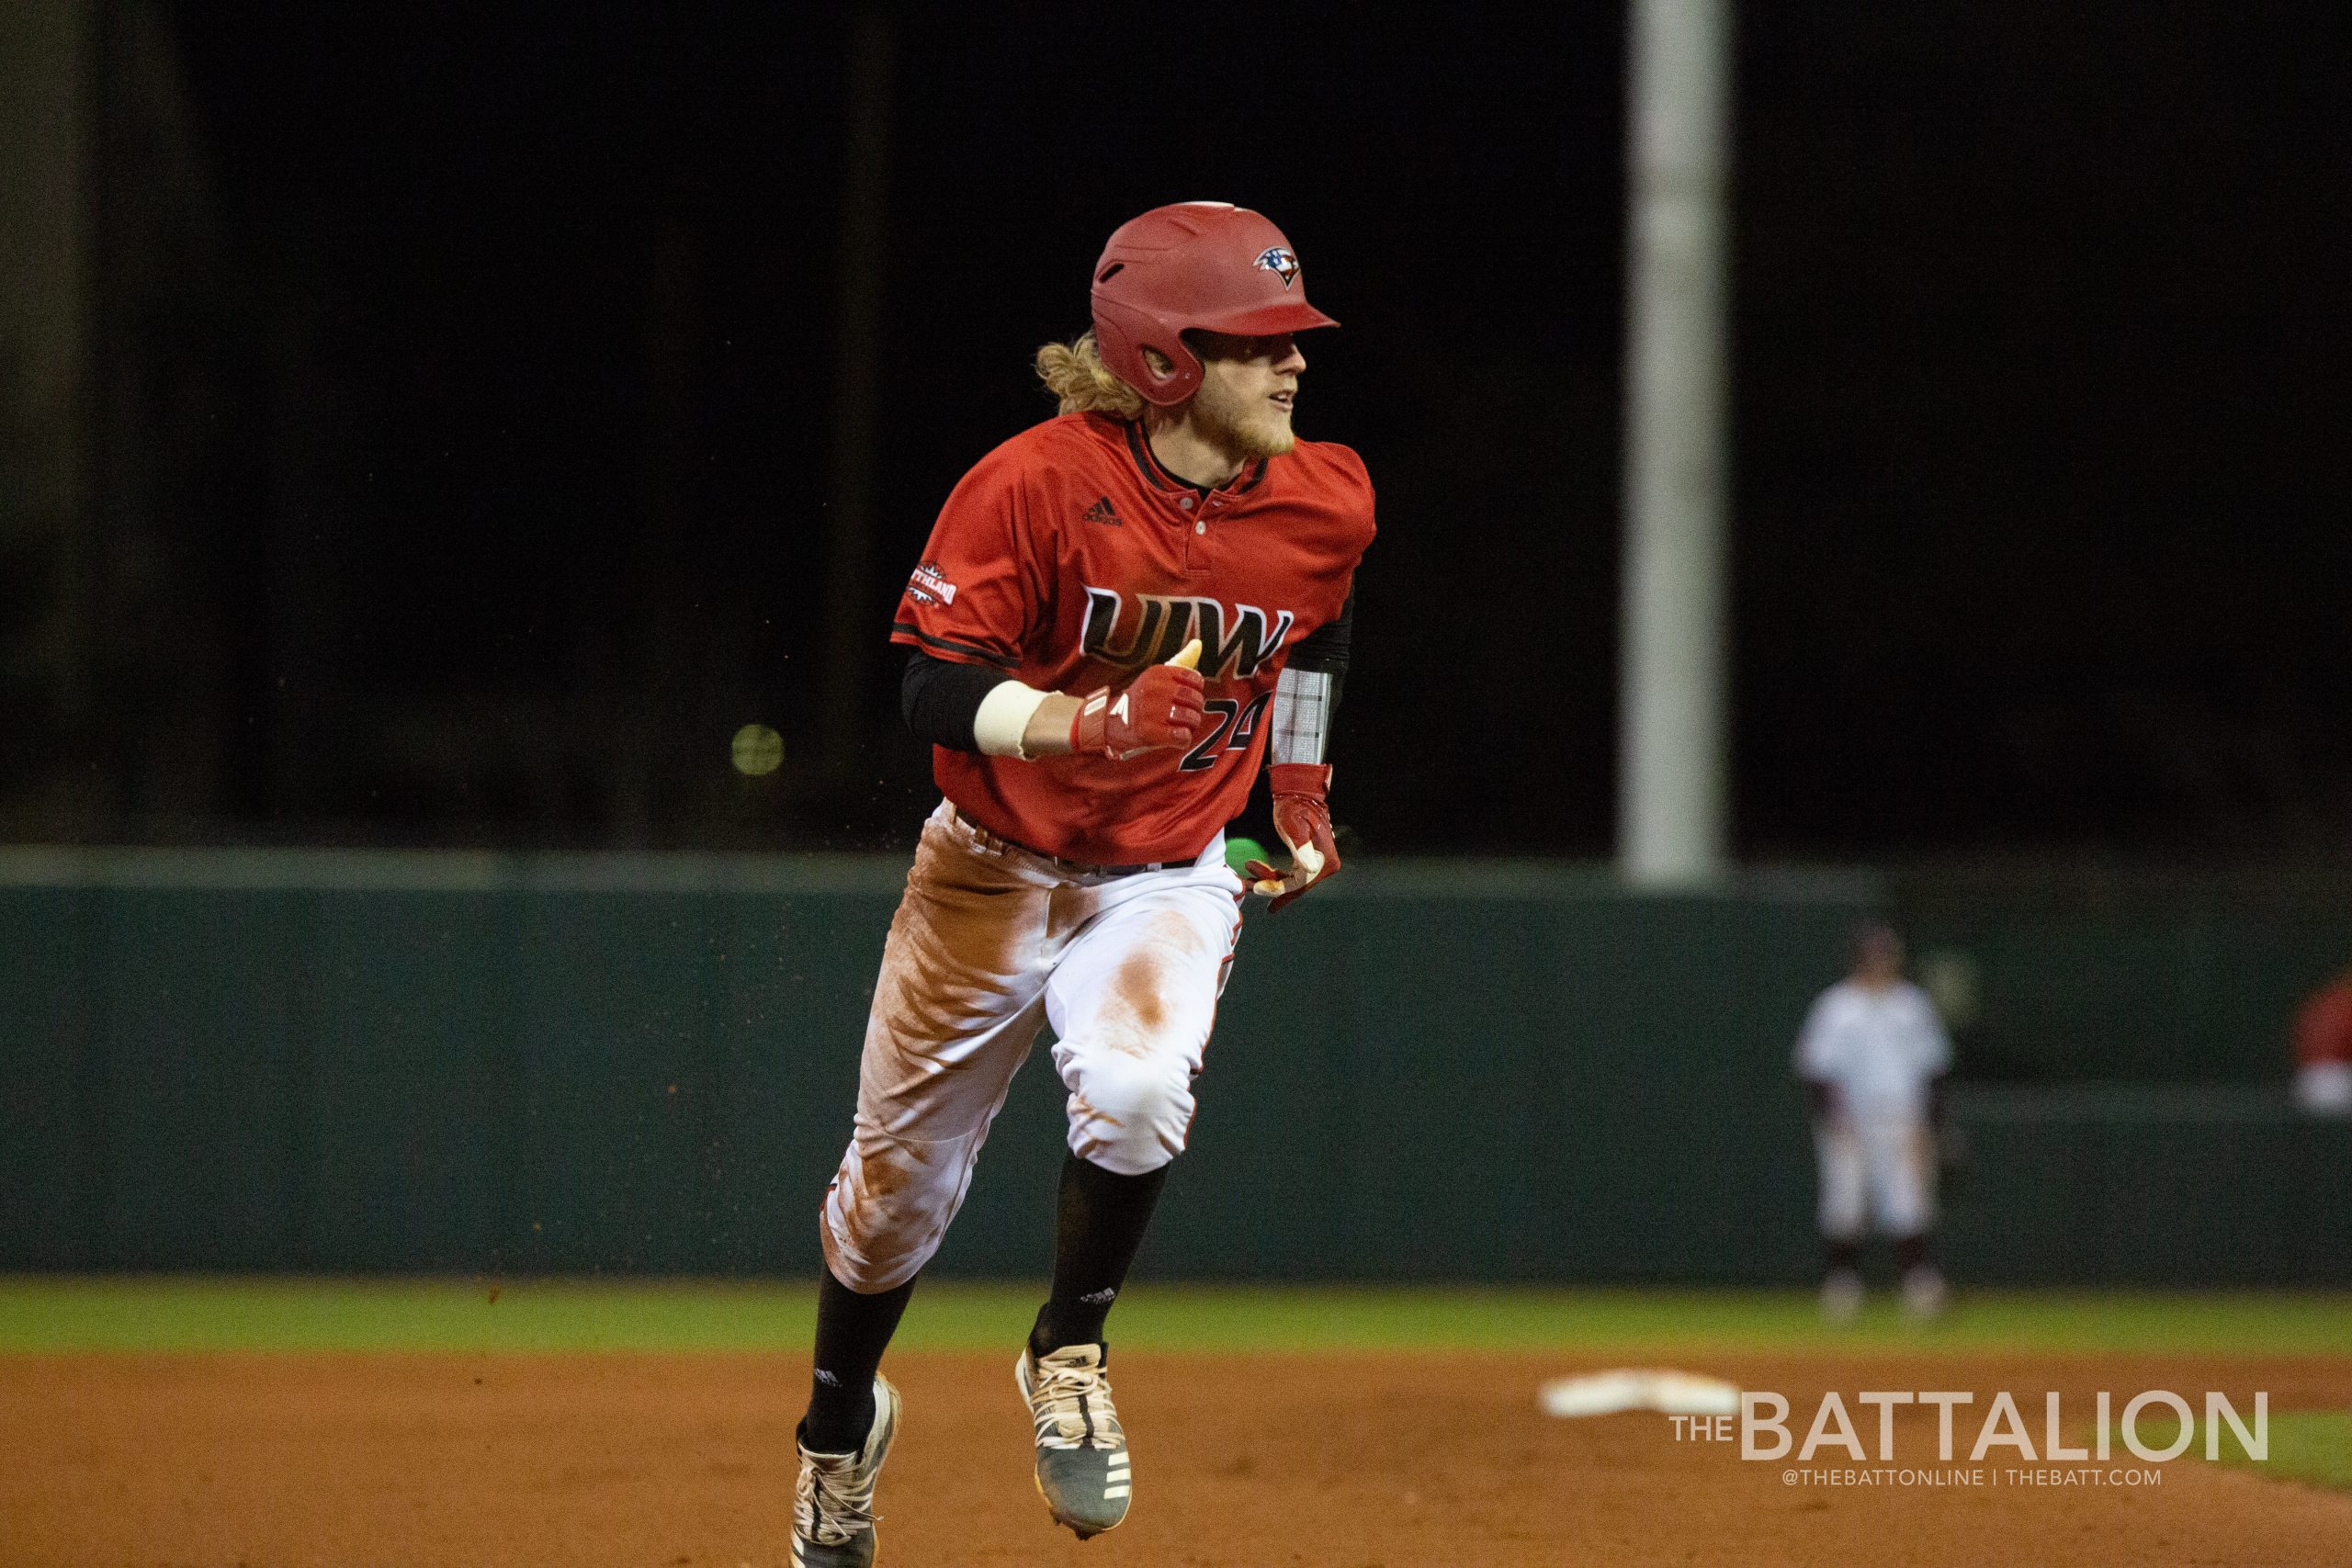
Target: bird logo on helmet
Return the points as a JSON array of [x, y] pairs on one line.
[[1280, 261], [1195, 266]]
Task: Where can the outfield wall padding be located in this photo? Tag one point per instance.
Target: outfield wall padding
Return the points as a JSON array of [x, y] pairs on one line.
[[485, 1064], [2140, 988]]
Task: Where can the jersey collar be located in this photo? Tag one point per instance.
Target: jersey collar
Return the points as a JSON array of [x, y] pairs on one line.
[[1252, 475]]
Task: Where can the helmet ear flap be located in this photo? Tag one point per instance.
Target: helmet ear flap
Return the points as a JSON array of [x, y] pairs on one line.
[[1123, 332]]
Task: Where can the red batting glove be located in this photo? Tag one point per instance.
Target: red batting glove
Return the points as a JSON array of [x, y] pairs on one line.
[[1303, 816], [1161, 707]]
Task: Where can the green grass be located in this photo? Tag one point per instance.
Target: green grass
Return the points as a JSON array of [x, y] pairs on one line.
[[2311, 1445], [51, 1313], [2306, 1445]]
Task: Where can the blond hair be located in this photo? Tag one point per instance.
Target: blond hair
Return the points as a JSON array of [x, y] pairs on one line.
[[1074, 373]]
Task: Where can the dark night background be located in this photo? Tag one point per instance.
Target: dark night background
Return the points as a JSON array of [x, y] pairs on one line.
[[467, 412]]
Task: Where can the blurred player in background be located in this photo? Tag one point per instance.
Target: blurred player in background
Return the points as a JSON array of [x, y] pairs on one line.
[[1119, 613], [2324, 1050], [1872, 1057]]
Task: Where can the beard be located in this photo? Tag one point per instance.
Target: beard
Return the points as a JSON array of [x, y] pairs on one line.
[[1249, 425]]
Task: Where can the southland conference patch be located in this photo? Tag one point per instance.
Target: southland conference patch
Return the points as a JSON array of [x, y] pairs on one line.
[[1280, 261], [928, 586]]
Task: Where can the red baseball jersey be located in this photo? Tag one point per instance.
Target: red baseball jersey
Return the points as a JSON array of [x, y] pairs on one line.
[[1070, 560]]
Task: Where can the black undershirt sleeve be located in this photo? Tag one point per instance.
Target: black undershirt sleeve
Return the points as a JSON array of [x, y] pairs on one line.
[[1325, 647], [940, 699], [1325, 650]]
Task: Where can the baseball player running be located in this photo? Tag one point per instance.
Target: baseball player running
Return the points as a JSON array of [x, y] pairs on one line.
[[1872, 1056], [1120, 612]]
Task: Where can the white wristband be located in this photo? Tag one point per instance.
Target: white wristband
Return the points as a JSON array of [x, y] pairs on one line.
[[1004, 718]]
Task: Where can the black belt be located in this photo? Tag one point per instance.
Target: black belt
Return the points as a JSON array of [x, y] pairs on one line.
[[1075, 867]]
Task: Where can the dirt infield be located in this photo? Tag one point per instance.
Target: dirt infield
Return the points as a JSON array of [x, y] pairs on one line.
[[1351, 1461]]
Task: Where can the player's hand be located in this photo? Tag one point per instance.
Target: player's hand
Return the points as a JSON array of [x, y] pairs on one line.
[[1303, 816], [1163, 706]]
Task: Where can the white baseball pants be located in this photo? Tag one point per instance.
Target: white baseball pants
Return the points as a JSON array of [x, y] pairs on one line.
[[991, 943], [1878, 1168]]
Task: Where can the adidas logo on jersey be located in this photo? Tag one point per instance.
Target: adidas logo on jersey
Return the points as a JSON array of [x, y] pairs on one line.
[[1102, 511]]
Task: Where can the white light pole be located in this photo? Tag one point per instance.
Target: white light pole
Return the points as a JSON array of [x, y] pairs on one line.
[[1673, 743]]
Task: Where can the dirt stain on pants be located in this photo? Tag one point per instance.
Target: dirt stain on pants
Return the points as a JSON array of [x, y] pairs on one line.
[[989, 946]]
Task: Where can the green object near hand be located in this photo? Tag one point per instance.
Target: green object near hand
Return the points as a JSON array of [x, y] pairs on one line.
[[1240, 853]]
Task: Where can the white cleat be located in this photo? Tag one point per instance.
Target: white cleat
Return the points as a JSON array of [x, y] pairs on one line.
[[1841, 1295], [833, 1506], [1082, 1468], [1923, 1293]]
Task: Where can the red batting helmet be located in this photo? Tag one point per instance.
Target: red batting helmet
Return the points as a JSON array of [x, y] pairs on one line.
[[1199, 264]]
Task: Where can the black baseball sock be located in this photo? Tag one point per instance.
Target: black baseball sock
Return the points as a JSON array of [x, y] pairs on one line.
[[852, 1333], [1913, 1252], [1840, 1256], [1098, 1221]]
